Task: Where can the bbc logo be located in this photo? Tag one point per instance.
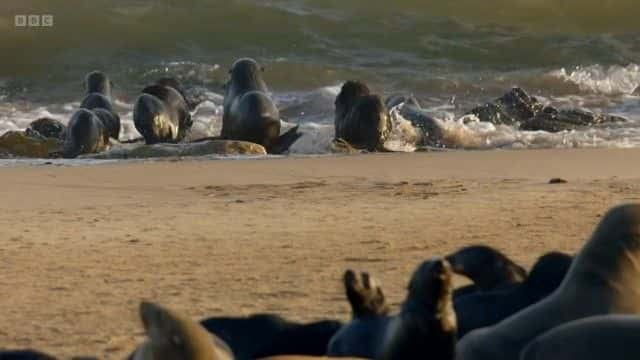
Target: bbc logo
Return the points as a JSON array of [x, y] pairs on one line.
[[45, 20]]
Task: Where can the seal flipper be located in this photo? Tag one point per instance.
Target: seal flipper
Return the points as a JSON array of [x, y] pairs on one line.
[[365, 295], [284, 141]]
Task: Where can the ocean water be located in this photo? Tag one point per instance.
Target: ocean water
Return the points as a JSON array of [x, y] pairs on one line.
[[452, 55]]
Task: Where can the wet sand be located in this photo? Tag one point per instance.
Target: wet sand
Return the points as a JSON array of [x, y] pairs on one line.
[[81, 246]]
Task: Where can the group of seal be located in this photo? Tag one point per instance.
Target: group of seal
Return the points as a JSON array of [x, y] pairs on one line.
[[556, 311], [91, 126]]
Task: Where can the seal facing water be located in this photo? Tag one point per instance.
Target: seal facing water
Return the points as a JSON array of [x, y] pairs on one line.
[[249, 112], [603, 279], [99, 100], [173, 336], [361, 119], [85, 134], [161, 113]]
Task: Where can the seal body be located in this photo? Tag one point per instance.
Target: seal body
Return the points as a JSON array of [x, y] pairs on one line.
[[99, 100], [264, 335], [593, 338], [173, 336], [483, 309], [425, 328], [426, 325], [488, 268], [85, 134], [249, 112], [361, 119], [161, 114], [603, 279]]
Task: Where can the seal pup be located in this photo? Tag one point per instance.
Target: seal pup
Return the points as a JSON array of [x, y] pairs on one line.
[[603, 279], [424, 328], [361, 119], [483, 309], [161, 114], [594, 338], [488, 268], [264, 335], [24, 355], [173, 336], [85, 134], [249, 112]]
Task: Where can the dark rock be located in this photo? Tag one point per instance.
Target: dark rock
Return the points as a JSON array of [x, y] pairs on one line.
[[48, 127], [514, 107], [554, 120], [558, 181]]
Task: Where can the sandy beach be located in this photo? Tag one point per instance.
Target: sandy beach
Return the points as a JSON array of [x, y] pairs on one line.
[[81, 246]]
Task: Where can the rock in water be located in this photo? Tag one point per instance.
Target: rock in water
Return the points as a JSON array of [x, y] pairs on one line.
[[513, 107], [554, 120]]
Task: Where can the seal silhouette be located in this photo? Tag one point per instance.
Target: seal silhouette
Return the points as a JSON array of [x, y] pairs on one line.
[[424, 328], [161, 114], [603, 279], [264, 335], [488, 268], [85, 134], [593, 338], [99, 100], [173, 336], [484, 309], [249, 112], [361, 119]]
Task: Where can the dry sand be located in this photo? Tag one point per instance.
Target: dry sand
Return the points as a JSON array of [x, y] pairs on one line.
[[81, 246]]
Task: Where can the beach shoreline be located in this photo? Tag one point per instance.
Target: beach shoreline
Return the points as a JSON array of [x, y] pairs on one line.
[[83, 245]]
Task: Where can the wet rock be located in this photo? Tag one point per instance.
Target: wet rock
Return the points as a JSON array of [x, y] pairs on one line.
[[514, 107], [211, 147], [554, 120], [48, 127], [28, 144]]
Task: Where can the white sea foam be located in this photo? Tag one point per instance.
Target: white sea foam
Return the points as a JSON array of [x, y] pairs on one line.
[[603, 80]]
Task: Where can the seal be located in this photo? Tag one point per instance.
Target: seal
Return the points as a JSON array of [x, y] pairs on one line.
[[370, 318], [24, 355], [98, 96], [86, 134], [249, 112], [361, 119], [603, 279], [488, 268], [161, 114], [177, 85], [174, 336], [426, 325], [424, 328], [484, 309], [593, 338], [264, 335]]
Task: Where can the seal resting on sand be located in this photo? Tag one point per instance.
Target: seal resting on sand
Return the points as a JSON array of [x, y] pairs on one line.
[[263, 335], [173, 336], [361, 119], [603, 279], [483, 309], [161, 114], [488, 268], [425, 328], [249, 112], [594, 338], [86, 134]]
